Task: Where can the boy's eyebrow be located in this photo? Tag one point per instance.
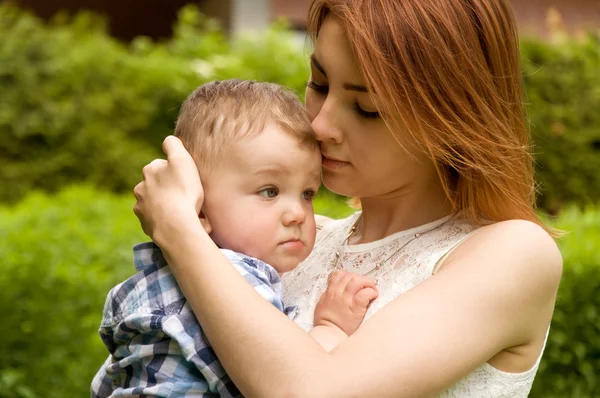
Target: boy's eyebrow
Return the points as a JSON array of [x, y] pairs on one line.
[[270, 170], [276, 171]]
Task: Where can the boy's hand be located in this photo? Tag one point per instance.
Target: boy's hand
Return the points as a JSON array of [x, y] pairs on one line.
[[345, 301]]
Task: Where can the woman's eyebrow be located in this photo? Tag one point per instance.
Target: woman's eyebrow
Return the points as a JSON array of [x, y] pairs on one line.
[[347, 86], [354, 87], [317, 65]]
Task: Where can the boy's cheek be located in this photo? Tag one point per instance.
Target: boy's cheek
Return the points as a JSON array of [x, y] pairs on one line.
[[312, 233]]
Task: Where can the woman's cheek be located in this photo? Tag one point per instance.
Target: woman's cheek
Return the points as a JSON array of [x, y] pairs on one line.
[[313, 104]]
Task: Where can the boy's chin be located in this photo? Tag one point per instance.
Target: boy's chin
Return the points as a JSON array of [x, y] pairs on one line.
[[285, 266]]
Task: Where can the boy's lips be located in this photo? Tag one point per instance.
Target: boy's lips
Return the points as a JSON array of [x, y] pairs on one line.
[[332, 163], [292, 244]]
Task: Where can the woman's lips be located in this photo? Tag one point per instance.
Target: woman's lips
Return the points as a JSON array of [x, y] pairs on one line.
[[333, 164]]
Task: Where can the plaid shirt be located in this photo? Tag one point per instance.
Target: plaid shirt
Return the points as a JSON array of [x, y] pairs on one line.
[[156, 345]]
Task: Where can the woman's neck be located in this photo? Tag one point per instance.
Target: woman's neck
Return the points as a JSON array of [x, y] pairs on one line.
[[399, 211]]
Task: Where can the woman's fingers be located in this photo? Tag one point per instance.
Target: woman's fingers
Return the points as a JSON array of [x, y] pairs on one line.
[[137, 191], [173, 147], [138, 209], [171, 189], [151, 168], [177, 153]]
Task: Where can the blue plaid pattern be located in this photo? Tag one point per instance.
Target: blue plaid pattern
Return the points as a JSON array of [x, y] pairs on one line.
[[157, 348]]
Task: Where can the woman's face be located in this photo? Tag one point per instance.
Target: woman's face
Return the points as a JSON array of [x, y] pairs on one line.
[[361, 157]]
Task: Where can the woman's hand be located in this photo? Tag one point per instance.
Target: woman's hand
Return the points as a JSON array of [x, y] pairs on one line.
[[171, 193]]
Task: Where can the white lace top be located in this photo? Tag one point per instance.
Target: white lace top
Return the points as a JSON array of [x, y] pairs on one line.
[[409, 258]]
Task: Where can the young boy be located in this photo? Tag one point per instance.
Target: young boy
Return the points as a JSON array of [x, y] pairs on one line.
[[260, 167]]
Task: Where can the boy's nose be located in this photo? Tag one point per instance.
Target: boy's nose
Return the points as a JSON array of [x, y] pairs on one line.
[[295, 214]]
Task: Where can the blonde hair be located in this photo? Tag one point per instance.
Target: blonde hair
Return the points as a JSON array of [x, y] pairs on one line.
[[218, 114], [448, 72]]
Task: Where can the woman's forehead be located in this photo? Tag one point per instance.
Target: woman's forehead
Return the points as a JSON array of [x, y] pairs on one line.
[[334, 52]]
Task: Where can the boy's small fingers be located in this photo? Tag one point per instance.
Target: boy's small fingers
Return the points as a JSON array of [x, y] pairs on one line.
[[359, 282], [335, 277], [343, 282], [364, 297]]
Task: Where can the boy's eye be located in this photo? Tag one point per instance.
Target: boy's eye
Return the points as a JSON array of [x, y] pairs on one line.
[[269, 193], [308, 195]]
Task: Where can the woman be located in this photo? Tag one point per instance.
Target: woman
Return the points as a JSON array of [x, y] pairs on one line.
[[418, 108]]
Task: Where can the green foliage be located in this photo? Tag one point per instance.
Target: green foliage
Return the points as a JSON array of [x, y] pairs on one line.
[[563, 89], [78, 105], [65, 114], [571, 361], [331, 205], [60, 256]]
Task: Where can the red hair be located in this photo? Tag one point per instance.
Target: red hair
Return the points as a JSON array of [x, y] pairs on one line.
[[448, 72]]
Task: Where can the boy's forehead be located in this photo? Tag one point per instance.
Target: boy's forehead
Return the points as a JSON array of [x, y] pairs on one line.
[[274, 151]]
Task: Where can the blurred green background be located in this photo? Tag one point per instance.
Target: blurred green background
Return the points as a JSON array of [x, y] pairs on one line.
[[81, 113]]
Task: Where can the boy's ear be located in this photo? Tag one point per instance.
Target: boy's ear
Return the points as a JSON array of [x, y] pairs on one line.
[[205, 222]]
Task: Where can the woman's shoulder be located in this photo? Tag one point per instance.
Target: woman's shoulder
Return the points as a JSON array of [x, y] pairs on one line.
[[520, 239], [519, 251]]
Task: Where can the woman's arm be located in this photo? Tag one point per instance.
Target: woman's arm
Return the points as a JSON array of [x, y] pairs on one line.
[[421, 343], [485, 299]]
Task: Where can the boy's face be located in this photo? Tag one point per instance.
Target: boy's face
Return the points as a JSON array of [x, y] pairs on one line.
[[258, 201]]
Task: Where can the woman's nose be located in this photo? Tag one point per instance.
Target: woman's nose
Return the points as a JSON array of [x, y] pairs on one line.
[[325, 125]]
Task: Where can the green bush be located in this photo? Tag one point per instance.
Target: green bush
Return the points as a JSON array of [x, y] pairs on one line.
[[331, 205], [65, 114], [563, 94], [60, 256], [571, 361], [77, 105], [80, 106]]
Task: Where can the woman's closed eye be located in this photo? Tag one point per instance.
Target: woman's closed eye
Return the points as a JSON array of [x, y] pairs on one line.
[[268, 192], [324, 90], [363, 113], [321, 89]]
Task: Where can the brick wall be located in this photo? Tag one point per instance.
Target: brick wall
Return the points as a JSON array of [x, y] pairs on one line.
[[154, 18], [531, 15], [577, 15], [127, 18], [293, 10]]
